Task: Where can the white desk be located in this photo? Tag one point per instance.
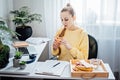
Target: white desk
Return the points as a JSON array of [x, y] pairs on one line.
[[31, 69], [65, 75]]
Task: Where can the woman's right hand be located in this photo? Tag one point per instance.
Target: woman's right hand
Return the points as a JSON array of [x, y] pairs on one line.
[[57, 42]]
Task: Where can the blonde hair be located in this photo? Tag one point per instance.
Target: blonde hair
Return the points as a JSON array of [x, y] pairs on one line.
[[68, 8]]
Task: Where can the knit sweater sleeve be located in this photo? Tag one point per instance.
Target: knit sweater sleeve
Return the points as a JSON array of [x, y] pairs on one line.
[[81, 52]]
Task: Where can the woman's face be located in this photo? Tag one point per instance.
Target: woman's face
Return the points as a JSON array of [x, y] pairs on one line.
[[67, 19]]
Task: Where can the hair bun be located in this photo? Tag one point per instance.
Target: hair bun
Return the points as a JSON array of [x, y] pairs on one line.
[[68, 5]]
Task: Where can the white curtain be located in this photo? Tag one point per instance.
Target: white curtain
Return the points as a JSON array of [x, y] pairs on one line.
[[100, 18]]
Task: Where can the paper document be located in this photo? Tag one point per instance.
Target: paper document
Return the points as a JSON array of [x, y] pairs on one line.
[[51, 67], [37, 40]]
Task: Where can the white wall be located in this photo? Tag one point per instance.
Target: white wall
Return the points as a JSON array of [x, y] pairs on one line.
[[5, 7], [36, 6], [2, 8]]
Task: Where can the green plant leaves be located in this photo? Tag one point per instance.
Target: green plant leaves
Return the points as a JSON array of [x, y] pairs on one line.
[[23, 16], [22, 63], [18, 54], [3, 27]]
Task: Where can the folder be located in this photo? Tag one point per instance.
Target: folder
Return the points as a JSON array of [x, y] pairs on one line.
[[51, 67], [20, 44]]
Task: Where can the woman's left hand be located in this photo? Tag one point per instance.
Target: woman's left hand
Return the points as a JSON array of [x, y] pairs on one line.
[[66, 44]]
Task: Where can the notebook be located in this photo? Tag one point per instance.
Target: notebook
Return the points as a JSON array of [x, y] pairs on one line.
[[51, 67]]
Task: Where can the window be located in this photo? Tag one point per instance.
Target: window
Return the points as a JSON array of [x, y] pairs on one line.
[[91, 11]]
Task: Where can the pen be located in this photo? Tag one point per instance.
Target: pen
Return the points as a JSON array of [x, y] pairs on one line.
[[56, 64]]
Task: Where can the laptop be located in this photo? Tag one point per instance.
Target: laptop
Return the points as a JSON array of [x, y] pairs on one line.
[[27, 50]]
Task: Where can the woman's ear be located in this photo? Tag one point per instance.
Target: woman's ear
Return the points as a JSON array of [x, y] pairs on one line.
[[74, 17]]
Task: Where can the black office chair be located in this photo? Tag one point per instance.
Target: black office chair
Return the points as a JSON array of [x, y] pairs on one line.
[[93, 47]]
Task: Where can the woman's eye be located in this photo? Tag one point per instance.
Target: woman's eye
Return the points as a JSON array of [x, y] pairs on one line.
[[66, 19], [61, 19]]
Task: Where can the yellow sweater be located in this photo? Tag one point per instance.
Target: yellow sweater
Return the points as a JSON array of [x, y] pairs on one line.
[[78, 39]]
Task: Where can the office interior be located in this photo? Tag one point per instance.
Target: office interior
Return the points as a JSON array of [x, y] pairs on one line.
[[100, 18]]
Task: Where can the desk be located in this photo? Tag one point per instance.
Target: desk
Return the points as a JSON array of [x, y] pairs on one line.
[[31, 68], [65, 75]]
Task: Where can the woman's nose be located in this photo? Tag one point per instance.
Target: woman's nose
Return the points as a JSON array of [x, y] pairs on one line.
[[64, 23]]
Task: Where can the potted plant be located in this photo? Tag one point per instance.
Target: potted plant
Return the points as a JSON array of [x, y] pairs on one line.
[[17, 58], [21, 18], [4, 49], [22, 64], [4, 55]]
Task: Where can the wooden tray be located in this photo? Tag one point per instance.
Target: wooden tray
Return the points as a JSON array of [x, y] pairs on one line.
[[99, 72]]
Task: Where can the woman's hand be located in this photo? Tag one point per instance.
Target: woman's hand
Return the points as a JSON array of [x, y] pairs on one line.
[[57, 42], [66, 44]]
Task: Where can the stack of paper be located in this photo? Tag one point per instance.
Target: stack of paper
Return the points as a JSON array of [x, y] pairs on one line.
[[37, 40], [51, 67]]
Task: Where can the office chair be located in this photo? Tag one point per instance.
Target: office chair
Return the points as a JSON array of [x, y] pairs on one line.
[[93, 47]]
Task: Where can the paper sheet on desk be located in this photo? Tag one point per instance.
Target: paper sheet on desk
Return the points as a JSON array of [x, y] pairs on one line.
[[48, 69], [37, 40]]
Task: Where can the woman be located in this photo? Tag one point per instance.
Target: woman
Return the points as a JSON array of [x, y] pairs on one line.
[[71, 42]]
